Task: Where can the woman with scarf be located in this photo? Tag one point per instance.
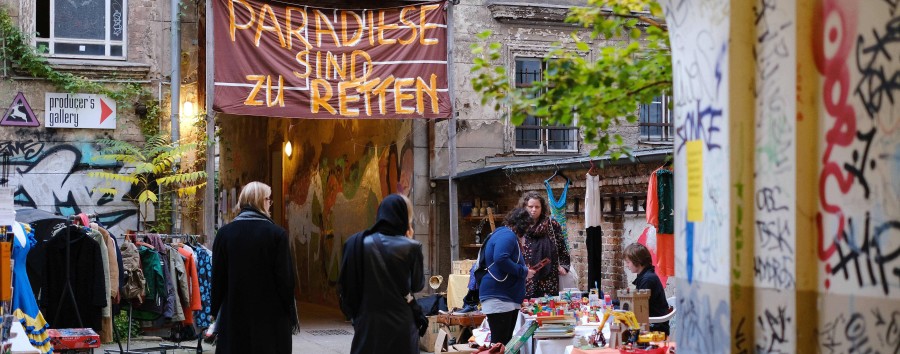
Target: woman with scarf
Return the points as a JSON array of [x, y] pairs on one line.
[[253, 279], [543, 241], [380, 269]]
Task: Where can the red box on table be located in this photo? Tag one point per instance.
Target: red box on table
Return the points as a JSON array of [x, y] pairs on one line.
[[73, 338]]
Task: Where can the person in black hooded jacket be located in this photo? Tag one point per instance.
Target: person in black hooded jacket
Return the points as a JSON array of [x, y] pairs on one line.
[[380, 269], [253, 279]]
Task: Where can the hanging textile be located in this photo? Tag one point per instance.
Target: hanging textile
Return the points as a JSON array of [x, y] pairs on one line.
[[25, 307], [84, 273], [558, 209], [593, 210], [665, 236], [204, 270]]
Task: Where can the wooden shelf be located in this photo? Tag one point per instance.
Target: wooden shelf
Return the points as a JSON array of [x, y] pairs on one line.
[[479, 218], [472, 245]]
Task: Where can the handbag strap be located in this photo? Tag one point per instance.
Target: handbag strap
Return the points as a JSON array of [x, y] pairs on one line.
[[488, 268], [379, 251]]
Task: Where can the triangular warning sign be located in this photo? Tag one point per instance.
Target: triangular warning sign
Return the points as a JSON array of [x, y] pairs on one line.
[[20, 114]]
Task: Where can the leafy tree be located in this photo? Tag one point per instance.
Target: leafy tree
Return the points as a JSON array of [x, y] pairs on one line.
[[601, 93], [152, 163]]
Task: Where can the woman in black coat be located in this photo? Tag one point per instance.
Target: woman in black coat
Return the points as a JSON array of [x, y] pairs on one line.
[[253, 279], [380, 269]]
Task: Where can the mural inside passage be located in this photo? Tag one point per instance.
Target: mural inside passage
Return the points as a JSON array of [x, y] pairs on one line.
[[333, 189], [54, 177], [856, 49]]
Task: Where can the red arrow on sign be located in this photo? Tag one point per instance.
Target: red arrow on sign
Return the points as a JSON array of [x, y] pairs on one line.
[[105, 111]]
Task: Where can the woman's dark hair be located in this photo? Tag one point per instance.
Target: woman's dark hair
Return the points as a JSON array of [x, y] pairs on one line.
[[638, 254], [518, 220], [523, 202]]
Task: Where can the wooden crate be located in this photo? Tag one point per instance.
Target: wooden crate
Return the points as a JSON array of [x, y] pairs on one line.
[[462, 267]]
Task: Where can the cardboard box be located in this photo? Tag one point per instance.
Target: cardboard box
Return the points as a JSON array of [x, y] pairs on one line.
[[427, 341], [73, 338], [440, 345]]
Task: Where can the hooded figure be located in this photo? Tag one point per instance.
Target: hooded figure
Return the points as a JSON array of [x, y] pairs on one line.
[[380, 268]]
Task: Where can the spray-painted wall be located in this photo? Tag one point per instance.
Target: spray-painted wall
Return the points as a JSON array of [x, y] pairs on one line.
[[814, 212], [338, 173]]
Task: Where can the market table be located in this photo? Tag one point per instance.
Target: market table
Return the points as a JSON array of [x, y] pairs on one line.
[[457, 287], [19, 340], [554, 345]]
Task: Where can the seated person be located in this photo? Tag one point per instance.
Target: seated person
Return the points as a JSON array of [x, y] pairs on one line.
[[637, 260]]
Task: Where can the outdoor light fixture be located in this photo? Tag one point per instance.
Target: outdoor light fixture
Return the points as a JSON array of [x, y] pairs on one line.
[[288, 149], [187, 109]]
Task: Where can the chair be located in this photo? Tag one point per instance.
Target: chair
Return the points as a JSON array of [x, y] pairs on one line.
[[668, 316]]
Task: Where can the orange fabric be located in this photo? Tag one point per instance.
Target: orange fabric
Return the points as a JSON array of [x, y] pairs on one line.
[[652, 201], [195, 304], [665, 255]]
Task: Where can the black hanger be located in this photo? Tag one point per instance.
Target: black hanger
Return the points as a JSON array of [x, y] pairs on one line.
[[557, 173]]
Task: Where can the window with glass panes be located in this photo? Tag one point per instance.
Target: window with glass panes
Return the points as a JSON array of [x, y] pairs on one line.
[[655, 120], [82, 29], [535, 134]]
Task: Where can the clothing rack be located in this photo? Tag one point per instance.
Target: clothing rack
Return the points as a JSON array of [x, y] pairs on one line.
[[162, 348]]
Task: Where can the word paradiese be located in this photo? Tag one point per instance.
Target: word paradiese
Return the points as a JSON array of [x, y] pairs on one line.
[[342, 31]]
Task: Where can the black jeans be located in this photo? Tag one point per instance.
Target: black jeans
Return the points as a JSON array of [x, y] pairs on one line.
[[502, 325], [471, 298]]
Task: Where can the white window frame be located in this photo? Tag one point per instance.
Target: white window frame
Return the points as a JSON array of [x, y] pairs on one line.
[[544, 145], [665, 135], [107, 42]]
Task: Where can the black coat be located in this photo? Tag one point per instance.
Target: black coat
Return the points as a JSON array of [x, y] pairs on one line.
[[384, 322], [85, 275], [253, 286]]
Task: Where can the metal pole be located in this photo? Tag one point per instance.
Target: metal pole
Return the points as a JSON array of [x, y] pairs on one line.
[[209, 196], [451, 144], [175, 95]]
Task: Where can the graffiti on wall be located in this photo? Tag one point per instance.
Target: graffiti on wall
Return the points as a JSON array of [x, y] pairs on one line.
[[699, 37], [335, 194], [53, 177], [858, 223], [774, 261]]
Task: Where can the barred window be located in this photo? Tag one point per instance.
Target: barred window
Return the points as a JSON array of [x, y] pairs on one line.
[[536, 134], [81, 29], [655, 120]]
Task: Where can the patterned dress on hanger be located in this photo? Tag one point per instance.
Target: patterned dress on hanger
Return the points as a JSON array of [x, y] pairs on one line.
[[558, 210], [23, 301]]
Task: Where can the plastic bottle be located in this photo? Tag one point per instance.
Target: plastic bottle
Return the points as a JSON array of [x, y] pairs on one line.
[[607, 301]]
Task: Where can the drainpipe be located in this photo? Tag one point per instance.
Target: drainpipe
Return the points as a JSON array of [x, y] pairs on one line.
[[451, 137], [176, 97], [209, 196]]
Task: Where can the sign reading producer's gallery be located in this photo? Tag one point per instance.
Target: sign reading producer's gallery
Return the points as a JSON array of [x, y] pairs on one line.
[[87, 111]]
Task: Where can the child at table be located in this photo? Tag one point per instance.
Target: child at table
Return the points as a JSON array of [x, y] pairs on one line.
[[637, 260]]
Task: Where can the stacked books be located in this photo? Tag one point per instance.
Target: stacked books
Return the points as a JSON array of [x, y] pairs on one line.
[[555, 327]]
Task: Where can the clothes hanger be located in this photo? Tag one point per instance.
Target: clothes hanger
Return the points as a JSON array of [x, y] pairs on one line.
[[557, 173]]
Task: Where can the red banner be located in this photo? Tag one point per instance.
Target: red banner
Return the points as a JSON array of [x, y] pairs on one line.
[[279, 60]]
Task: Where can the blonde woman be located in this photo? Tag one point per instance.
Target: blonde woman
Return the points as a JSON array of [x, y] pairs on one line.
[[253, 279]]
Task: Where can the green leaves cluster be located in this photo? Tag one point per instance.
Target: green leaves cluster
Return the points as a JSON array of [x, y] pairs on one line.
[[634, 67], [151, 164], [17, 49]]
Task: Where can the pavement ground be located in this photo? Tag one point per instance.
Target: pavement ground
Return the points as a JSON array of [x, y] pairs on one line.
[[322, 331]]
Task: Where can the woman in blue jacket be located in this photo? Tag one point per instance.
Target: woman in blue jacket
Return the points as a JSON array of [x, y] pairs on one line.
[[503, 288]]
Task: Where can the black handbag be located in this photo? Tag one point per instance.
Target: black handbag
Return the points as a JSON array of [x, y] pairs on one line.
[[421, 321]]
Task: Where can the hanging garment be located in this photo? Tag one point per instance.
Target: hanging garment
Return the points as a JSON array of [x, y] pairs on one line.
[[156, 292], [193, 303], [594, 243], [85, 275], [558, 210], [25, 306], [665, 237], [106, 319], [204, 275], [592, 203]]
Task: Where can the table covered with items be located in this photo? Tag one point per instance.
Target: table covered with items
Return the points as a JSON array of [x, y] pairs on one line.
[[572, 323]]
